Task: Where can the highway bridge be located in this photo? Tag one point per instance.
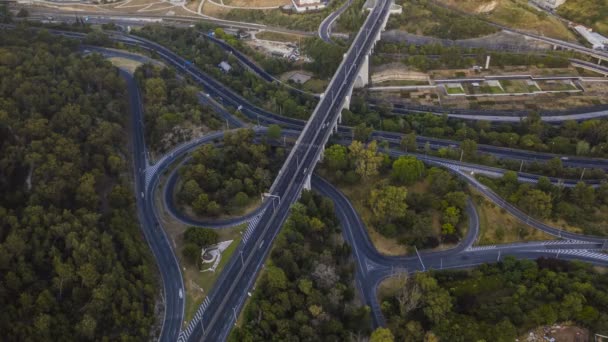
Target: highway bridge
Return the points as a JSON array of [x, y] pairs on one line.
[[297, 175], [237, 277]]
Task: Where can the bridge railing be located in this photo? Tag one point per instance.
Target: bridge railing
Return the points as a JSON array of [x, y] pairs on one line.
[[315, 114]]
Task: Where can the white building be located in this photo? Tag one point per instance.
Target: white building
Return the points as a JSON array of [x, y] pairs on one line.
[[308, 5], [595, 39]]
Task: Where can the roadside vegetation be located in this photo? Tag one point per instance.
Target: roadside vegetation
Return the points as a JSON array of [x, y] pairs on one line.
[[436, 56], [172, 111], [207, 56], [582, 206], [352, 18], [591, 13], [517, 14], [403, 201], [306, 291], [308, 21], [497, 302], [588, 138], [496, 225], [423, 17], [73, 261], [225, 180]]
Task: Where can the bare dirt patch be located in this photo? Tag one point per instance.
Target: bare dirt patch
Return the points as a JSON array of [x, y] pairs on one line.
[[561, 333], [125, 63], [497, 226], [484, 8]]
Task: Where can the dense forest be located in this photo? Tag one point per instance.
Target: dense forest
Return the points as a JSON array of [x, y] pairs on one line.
[[433, 212], [207, 55], [172, 111], [305, 292], [581, 206], [224, 180], [497, 302], [73, 262]]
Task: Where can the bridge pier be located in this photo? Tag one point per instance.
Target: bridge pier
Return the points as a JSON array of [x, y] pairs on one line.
[[307, 183], [363, 76]]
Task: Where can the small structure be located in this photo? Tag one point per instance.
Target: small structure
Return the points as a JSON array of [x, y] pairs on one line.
[[308, 5], [595, 39], [225, 66], [213, 255], [299, 78]]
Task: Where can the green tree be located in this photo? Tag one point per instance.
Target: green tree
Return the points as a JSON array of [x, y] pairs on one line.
[[437, 301], [583, 195], [336, 157], [367, 160], [469, 149], [388, 203], [201, 204], [382, 335], [274, 131], [536, 203], [276, 278], [408, 142], [201, 237], [191, 252], [362, 132], [582, 148], [407, 170], [451, 215]]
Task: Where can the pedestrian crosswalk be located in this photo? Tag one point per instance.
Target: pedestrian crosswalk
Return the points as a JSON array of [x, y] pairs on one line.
[[578, 252], [150, 172], [566, 242], [480, 248], [251, 226], [185, 334]]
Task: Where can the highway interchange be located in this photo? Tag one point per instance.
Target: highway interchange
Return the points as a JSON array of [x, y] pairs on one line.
[[372, 267]]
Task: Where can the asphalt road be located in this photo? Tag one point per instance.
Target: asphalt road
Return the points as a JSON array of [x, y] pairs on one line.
[[168, 266], [327, 23], [226, 97], [258, 249], [227, 300]]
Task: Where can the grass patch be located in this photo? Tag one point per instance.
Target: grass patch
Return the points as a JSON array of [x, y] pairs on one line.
[[516, 14], [587, 12], [497, 226], [199, 284], [315, 85], [277, 36], [556, 86], [454, 90], [428, 19]]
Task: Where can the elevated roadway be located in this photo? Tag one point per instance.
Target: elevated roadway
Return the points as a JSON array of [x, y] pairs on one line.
[[310, 153], [227, 297]]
